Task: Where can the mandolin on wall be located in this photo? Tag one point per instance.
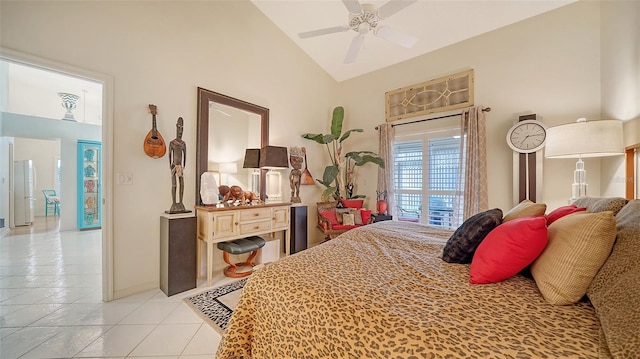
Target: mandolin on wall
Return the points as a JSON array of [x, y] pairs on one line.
[[154, 145]]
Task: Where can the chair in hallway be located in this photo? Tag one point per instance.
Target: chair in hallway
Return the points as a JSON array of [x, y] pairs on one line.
[[52, 202]]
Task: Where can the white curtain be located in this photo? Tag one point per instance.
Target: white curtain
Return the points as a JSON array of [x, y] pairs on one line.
[[472, 181], [385, 175]]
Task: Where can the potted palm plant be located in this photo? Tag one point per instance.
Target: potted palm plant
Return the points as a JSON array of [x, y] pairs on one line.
[[338, 177]]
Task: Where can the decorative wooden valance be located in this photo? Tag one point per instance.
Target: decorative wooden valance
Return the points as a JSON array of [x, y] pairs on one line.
[[437, 95]]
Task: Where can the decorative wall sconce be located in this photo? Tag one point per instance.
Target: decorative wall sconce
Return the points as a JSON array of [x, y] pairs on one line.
[[69, 101]]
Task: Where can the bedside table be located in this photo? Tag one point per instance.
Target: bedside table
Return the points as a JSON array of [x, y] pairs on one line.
[[381, 217]]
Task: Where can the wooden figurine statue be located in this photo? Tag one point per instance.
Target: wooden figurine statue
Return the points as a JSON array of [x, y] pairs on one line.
[[236, 193], [177, 159], [295, 158]]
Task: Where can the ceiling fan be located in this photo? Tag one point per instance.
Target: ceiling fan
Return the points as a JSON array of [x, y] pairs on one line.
[[365, 18]]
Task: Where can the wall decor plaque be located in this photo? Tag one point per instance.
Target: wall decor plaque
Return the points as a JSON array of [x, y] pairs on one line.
[[438, 95]]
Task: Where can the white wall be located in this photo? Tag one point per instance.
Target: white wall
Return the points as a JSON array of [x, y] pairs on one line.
[[159, 53], [548, 65]]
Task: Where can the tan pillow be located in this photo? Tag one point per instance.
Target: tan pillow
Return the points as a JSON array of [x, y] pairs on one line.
[[578, 246], [348, 219], [525, 208]]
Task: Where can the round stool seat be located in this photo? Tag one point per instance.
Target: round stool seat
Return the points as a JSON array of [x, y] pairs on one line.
[[242, 245]]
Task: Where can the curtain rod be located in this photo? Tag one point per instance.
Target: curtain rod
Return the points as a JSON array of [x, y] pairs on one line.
[[486, 109]]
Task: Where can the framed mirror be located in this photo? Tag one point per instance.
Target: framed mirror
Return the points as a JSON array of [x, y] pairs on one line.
[[226, 127]]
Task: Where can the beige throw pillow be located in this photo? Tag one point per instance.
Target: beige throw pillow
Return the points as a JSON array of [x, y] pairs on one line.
[[525, 208], [347, 219], [578, 246]]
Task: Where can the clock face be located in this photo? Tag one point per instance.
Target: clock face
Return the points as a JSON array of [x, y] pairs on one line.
[[527, 136]]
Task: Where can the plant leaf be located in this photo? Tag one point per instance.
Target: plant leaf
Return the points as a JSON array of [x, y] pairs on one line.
[[328, 193], [330, 174], [346, 134], [368, 158], [320, 138], [336, 121]]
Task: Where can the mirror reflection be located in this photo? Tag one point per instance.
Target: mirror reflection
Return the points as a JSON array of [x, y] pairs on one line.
[[231, 132], [227, 127]]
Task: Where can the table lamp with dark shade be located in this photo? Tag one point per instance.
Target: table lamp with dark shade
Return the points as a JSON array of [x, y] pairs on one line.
[[273, 158], [252, 160]]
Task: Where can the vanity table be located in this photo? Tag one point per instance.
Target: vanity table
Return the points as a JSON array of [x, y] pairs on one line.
[[221, 224]]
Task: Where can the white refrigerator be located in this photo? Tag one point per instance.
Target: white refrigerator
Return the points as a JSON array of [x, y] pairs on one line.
[[23, 184]]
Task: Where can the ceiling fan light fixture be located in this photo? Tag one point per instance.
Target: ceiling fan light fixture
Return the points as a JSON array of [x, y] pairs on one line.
[[364, 18]]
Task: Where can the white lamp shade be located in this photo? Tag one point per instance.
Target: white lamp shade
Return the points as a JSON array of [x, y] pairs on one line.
[[585, 139], [228, 167]]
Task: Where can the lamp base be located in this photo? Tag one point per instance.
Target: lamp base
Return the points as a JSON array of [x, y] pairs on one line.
[[579, 185], [273, 182]]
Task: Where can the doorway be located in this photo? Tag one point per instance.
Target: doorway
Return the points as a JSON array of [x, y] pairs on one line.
[[35, 103]]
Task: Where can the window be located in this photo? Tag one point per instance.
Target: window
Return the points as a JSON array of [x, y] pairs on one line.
[[427, 167]]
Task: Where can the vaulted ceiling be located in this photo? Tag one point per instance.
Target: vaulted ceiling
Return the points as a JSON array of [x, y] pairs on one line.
[[435, 24]]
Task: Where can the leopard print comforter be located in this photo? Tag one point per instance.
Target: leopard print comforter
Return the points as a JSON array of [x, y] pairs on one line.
[[383, 291]]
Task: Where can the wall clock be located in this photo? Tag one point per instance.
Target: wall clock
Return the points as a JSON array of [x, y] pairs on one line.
[[526, 138]]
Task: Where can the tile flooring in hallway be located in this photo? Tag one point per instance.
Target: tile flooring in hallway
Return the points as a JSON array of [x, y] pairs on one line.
[[51, 305]]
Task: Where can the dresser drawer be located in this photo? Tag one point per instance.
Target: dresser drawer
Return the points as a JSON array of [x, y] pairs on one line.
[[253, 227], [254, 214]]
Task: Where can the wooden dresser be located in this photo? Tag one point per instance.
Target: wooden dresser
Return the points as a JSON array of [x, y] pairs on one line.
[[221, 224]]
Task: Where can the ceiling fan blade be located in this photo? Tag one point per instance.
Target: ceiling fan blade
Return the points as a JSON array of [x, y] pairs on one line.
[[354, 49], [397, 37], [393, 6], [353, 6], [329, 30]]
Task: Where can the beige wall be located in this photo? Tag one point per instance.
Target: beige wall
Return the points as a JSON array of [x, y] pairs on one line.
[[548, 65], [159, 53], [620, 83]]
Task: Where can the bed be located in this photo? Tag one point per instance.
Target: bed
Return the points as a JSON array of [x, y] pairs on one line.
[[383, 291]]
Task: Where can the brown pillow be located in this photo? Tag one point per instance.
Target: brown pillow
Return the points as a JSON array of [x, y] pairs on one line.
[[598, 204], [578, 246], [615, 290], [525, 208]]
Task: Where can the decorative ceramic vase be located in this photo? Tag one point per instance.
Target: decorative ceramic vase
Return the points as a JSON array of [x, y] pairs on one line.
[[381, 207], [69, 103]]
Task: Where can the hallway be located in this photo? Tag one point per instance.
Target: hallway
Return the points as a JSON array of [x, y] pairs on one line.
[[51, 304]]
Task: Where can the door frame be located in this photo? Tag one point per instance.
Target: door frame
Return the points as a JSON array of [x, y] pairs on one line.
[[107, 149]]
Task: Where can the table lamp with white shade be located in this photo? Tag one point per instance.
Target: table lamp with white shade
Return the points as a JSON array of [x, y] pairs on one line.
[[227, 168], [583, 139]]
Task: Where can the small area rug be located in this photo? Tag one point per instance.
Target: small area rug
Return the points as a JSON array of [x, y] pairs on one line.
[[216, 305]]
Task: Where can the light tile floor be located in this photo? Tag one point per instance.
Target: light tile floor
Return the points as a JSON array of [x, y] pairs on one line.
[[51, 304]]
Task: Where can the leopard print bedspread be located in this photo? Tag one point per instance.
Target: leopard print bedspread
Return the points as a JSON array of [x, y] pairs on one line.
[[382, 291]]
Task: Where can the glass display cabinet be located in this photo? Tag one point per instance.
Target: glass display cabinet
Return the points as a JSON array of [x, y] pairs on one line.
[[89, 184]]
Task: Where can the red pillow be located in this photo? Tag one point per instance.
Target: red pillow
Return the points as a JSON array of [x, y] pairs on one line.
[[330, 216], [352, 203], [560, 212], [366, 214], [508, 249]]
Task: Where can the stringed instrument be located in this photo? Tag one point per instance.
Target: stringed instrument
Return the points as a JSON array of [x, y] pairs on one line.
[[306, 177], [154, 145]]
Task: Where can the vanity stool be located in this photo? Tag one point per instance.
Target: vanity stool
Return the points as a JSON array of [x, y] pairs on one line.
[[239, 246]]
